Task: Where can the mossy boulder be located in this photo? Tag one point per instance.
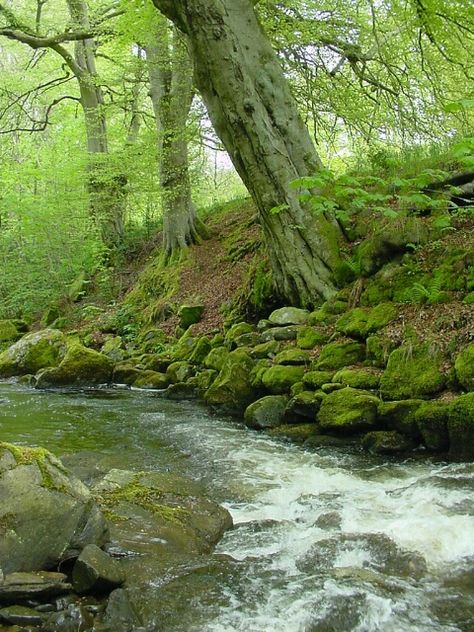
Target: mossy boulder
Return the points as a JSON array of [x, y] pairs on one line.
[[296, 433], [400, 416], [113, 348], [250, 339], [267, 412], [413, 371], [258, 371], [289, 316], [179, 372], [46, 514], [360, 322], [387, 442], [363, 378], [151, 380], [237, 330], [338, 355], [432, 421], [80, 366], [461, 428], [321, 317], [265, 350], [189, 315], [348, 410], [310, 337], [469, 299], [292, 357], [9, 330], [200, 351], [379, 348], [232, 389], [185, 346], [205, 379], [279, 379], [33, 352], [153, 340], [281, 333], [125, 373], [315, 379], [215, 358], [464, 367], [304, 405]]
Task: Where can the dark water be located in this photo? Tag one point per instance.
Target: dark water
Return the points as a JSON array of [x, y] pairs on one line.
[[324, 541]]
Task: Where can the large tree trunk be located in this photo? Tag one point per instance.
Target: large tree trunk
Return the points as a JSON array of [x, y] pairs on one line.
[[171, 90], [256, 117]]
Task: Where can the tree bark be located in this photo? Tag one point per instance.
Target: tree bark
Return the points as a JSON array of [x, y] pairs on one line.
[[252, 109], [171, 91]]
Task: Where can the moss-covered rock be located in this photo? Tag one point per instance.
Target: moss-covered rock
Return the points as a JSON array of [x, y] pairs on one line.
[[80, 366], [331, 387], [33, 352], [151, 380], [315, 379], [125, 373], [400, 416], [289, 316], [363, 378], [265, 350], [157, 362], [9, 331], [216, 358], [348, 410], [432, 421], [113, 348], [205, 379], [461, 427], [251, 339], [189, 315], [200, 350], [464, 367], [413, 371], [304, 405], [360, 322], [292, 356], [321, 317], [338, 355], [281, 333], [379, 348], [185, 346], [309, 337], [267, 412], [387, 442], [237, 330], [469, 299], [152, 340], [179, 372], [279, 379], [296, 433], [232, 388], [260, 368]]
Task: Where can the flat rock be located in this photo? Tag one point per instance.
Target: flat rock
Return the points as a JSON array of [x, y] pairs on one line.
[[95, 571]]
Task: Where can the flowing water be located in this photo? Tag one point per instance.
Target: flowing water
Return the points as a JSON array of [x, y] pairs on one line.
[[325, 541]]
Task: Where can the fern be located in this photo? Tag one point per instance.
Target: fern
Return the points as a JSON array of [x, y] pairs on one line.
[[427, 294]]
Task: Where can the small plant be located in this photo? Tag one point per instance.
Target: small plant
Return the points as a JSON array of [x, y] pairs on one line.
[[427, 294]]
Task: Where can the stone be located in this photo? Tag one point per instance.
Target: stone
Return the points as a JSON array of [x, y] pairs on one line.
[[80, 366], [310, 337], [279, 379], [338, 355], [21, 615], [189, 315], [236, 331], [289, 316], [292, 356], [265, 350], [461, 427], [125, 373], [348, 410], [120, 613], [304, 405], [113, 348], [216, 358], [464, 367], [96, 572], [9, 331], [23, 588], [315, 379], [179, 372], [267, 412], [45, 513], [233, 388], [400, 416], [250, 339], [151, 380], [331, 387], [33, 352], [432, 420], [200, 351], [379, 348], [387, 442], [360, 322], [296, 433], [413, 371], [180, 391], [281, 333], [362, 378], [205, 379]]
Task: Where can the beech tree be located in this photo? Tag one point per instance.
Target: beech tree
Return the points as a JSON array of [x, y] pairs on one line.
[[254, 113]]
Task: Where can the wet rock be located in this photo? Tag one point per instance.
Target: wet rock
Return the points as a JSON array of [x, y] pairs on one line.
[[329, 520], [180, 391], [267, 412], [20, 587], [179, 372], [96, 572], [33, 352], [401, 416], [461, 427], [289, 316], [151, 380], [45, 512], [232, 388], [296, 433], [75, 617], [279, 379], [432, 421], [348, 410], [304, 405], [80, 366], [387, 442], [120, 614], [20, 615]]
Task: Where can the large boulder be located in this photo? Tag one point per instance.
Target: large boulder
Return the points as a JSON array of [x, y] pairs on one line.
[[348, 410], [464, 367], [361, 377], [432, 421], [337, 355], [33, 352], [12, 329], [289, 316], [232, 389], [413, 371], [461, 427], [280, 378], [360, 322], [267, 412], [80, 366], [46, 514]]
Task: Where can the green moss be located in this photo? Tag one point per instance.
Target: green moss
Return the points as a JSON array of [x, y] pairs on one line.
[[279, 379], [464, 367], [265, 350], [379, 348], [200, 350], [292, 356], [321, 317], [432, 421], [233, 388], [266, 412], [8, 331], [386, 442], [179, 371], [40, 457], [237, 330], [360, 322], [469, 299], [189, 315], [297, 433], [310, 337], [79, 366], [348, 410], [461, 427], [315, 379], [151, 380], [340, 354], [400, 416], [358, 378]]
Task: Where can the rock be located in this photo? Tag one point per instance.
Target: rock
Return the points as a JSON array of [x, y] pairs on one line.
[[151, 380], [315, 379], [120, 613], [33, 352], [413, 372], [461, 427], [113, 349], [331, 387], [96, 572], [180, 391], [153, 340], [296, 433], [305, 404], [310, 337], [80, 366], [179, 372], [363, 378], [360, 322], [265, 350], [20, 587], [281, 333], [216, 358], [236, 331], [278, 379], [400, 416], [45, 512], [205, 379], [464, 367], [157, 362], [189, 315], [267, 412], [200, 350], [338, 355], [10, 330], [348, 410], [125, 373], [20, 615], [321, 317], [292, 356], [387, 442], [232, 388], [379, 348], [432, 421], [289, 316], [250, 339]]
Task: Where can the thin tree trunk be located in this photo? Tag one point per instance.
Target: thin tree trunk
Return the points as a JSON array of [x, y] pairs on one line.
[[256, 117]]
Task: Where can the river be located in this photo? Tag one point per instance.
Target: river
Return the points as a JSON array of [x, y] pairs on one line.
[[324, 541]]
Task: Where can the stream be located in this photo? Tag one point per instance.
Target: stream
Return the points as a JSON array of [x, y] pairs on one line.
[[328, 540]]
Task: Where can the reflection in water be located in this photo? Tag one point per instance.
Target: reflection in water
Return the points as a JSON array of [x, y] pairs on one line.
[[324, 541]]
